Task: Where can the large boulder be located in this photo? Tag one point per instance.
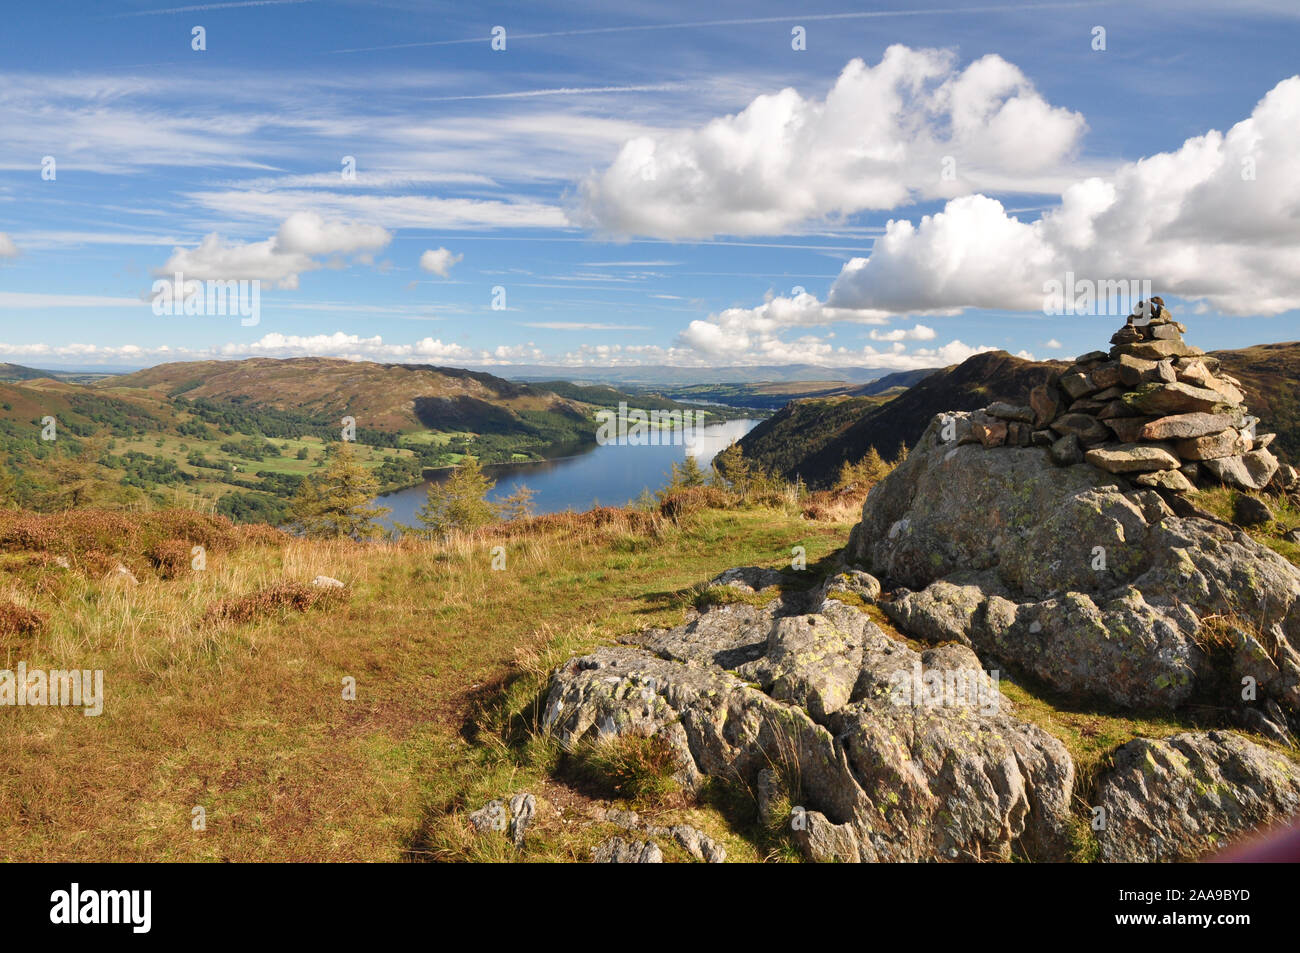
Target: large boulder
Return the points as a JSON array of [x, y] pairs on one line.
[[1188, 795], [1091, 584], [898, 755]]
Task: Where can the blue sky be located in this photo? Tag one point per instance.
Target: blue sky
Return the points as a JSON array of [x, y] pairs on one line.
[[648, 182]]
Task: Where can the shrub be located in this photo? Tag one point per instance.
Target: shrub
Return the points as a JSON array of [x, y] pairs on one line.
[[271, 600], [169, 557], [19, 620]]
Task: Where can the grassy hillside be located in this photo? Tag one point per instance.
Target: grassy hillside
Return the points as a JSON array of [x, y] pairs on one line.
[[224, 687], [796, 442], [391, 397], [782, 443], [813, 439], [1271, 373], [773, 395], [17, 372]]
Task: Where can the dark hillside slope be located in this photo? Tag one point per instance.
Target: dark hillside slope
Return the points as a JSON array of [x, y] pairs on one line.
[[782, 443], [1270, 375]]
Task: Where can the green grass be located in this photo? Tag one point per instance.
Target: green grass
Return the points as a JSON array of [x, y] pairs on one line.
[[451, 661], [247, 720]]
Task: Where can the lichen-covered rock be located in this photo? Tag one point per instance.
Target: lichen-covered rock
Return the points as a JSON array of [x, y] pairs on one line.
[[1099, 589], [1179, 798], [899, 755], [853, 582], [616, 850]]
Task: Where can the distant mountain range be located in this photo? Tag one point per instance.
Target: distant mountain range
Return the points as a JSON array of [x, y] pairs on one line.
[[656, 375]]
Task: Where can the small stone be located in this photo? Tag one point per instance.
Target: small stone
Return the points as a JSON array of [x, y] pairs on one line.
[[1087, 429], [1066, 451], [1229, 443], [523, 807], [490, 817], [1292, 537], [1176, 398], [1004, 411], [615, 850], [1092, 357], [1251, 511], [1077, 384], [326, 582], [1250, 471], [1129, 429], [1135, 370], [1159, 350], [1189, 426], [1106, 375], [1045, 405], [990, 431], [1194, 371], [1132, 458], [1165, 480], [1116, 408], [698, 844]]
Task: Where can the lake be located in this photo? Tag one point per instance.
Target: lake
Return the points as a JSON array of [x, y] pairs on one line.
[[610, 475]]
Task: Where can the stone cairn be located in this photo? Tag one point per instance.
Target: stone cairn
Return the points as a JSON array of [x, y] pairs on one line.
[[1153, 409]]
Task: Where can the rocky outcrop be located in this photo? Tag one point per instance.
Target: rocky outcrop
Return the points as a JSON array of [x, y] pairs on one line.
[[1095, 587], [885, 753], [1182, 797], [1052, 540]]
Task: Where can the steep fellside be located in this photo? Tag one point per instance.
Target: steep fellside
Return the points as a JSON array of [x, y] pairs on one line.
[[1268, 374], [992, 376]]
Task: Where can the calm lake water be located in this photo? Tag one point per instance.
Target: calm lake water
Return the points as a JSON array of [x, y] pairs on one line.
[[609, 476]]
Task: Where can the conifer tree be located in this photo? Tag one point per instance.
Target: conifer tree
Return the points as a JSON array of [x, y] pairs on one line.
[[732, 466], [688, 473], [336, 504], [459, 504]]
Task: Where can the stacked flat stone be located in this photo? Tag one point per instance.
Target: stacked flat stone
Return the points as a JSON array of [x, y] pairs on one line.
[[1153, 409]]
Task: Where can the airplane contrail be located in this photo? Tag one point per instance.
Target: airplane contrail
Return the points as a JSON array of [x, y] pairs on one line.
[[562, 91], [749, 21], [204, 7]]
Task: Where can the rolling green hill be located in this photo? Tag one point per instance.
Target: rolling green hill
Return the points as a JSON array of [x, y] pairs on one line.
[[238, 436]]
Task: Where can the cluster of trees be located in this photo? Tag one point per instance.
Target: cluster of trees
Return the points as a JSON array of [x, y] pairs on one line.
[[337, 503]]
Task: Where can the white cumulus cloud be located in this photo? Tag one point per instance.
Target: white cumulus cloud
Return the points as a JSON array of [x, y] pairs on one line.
[[439, 261], [1214, 221], [296, 247], [912, 126], [7, 247]]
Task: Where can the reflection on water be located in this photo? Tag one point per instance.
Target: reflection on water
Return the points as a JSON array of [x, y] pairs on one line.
[[611, 475]]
